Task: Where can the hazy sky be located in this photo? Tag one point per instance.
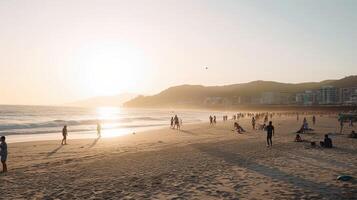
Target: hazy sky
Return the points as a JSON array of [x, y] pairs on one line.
[[59, 51]]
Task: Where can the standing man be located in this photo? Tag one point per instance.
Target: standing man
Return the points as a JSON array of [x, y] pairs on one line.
[[253, 123], [341, 125], [64, 134], [3, 153], [99, 130], [270, 133], [172, 122]]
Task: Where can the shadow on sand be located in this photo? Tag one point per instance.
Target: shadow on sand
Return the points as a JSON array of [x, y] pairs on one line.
[[54, 151], [269, 171], [94, 142]]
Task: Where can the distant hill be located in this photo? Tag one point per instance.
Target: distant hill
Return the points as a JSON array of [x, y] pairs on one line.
[[115, 101], [195, 95]]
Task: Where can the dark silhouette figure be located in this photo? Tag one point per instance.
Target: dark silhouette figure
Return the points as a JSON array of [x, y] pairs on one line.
[[3, 153], [327, 143], [298, 138], [64, 134], [270, 133], [172, 122], [253, 123]]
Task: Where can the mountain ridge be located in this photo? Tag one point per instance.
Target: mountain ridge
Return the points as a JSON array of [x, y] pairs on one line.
[[194, 95]]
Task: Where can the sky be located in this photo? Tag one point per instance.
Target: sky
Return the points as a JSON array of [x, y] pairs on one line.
[[57, 51]]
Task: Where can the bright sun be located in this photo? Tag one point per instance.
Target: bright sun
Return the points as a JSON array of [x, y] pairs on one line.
[[111, 69]]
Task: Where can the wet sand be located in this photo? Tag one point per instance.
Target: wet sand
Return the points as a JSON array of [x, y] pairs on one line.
[[198, 162]]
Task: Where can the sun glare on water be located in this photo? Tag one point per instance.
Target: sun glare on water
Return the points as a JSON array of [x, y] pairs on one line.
[[109, 119]]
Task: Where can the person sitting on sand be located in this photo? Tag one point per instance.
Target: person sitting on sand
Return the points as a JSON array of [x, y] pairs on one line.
[[353, 134], [327, 143], [238, 128], [298, 138], [3, 153], [64, 134]]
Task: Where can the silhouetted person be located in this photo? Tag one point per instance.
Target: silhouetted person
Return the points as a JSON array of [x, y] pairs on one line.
[[214, 119], [64, 134], [172, 122], [3, 153], [99, 130], [176, 122], [253, 123], [270, 133], [313, 120], [341, 125], [327, 143], [353, 134], [298, 138], [210, 120]]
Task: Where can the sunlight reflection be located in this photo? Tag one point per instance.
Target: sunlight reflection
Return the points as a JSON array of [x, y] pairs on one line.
[[109, 133], [109, 117]]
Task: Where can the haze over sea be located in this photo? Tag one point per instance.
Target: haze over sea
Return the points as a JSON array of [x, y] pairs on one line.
[[33, 123]]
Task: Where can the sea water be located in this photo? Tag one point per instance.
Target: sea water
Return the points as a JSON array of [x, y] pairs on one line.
[[34, 123]]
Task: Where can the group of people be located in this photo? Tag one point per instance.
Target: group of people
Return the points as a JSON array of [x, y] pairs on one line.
[[225, 118], [212, 120], [175, 122]]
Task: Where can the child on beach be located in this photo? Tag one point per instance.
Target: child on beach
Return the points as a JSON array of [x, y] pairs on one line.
[[3, 153], [298, 138]]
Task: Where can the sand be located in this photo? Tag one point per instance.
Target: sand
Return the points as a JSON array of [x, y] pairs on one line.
[[198, 162]]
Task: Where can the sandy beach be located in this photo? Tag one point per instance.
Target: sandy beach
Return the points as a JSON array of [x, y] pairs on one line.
[[198, 162]]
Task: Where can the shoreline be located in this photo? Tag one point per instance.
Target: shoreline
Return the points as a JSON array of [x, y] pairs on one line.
[[198, 162]]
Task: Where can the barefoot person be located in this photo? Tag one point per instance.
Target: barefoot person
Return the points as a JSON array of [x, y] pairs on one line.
[[270, 133], [3, 153], [64, 134]]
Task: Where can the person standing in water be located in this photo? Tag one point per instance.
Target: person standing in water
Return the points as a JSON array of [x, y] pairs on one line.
[[99, 130], [64, 134], [3, 153], [270, 133]]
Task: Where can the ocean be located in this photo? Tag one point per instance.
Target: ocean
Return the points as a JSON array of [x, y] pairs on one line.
[[34, 123]]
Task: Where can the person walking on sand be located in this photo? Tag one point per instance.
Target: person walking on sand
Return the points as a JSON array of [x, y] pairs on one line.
[[253, 123], [270, 133], [172, 122], [99, 130], [64, 134], [313, 120], [3, 153]]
